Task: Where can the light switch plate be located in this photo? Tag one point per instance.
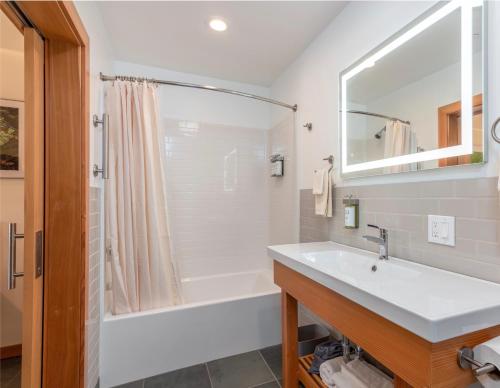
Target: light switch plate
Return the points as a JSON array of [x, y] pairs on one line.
[[441, 230]]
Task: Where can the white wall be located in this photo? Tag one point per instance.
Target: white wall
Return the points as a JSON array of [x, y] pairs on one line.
[[11, 208], [312, 82]]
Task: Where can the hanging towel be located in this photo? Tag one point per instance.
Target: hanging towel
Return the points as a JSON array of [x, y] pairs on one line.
[[324, 201], [369, 375], [319, 177], [328, 368]]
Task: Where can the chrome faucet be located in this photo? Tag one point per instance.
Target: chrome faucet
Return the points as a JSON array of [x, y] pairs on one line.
[[382, 241]]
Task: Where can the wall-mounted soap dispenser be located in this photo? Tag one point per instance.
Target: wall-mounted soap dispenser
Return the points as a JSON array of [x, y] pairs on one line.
[[351, 212]]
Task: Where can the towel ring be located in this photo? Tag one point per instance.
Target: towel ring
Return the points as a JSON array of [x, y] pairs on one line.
[[493, 130]]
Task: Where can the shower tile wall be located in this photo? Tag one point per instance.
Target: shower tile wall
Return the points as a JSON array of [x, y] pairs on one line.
[[92, 321], [403, 209], [217, 197]]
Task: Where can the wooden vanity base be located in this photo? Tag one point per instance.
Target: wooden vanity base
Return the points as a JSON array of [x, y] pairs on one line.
[[414, 361]]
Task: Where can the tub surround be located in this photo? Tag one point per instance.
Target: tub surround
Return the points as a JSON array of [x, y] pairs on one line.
[[415, 337], [403, 208]]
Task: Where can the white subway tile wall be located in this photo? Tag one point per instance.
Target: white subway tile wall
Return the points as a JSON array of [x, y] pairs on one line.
[[217, 197], [403, 209], [93, 278]]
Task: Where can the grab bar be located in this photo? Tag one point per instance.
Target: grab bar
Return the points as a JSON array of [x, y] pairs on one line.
[[105, 146], [11, 264]]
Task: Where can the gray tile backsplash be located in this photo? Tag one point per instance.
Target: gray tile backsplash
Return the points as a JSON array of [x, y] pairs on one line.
[[403, 209]]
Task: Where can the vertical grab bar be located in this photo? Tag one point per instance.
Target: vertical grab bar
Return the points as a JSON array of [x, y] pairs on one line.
[[105, 146], [11, 270]]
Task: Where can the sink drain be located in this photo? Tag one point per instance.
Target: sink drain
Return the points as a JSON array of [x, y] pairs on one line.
[[374, 268]]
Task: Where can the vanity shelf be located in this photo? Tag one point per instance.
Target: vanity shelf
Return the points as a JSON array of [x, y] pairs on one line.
[[307, 379]]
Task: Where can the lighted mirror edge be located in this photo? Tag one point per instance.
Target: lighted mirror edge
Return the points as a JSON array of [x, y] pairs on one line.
[[466, 148]]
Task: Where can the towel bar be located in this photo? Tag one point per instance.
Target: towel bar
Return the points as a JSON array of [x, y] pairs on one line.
[[466, 360], [493, 130]]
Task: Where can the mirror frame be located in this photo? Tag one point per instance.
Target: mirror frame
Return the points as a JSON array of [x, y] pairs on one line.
[[428, 18]]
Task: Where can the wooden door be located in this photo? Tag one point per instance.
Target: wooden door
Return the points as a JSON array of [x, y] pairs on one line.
[[33, 209]]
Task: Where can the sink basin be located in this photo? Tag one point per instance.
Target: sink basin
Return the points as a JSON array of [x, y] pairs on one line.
[[430, 302]]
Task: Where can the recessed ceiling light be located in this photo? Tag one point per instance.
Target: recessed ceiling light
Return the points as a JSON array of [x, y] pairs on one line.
[[218, 25]]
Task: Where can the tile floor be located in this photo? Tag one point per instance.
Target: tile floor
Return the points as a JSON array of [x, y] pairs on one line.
[[10, 373], [257, 369]]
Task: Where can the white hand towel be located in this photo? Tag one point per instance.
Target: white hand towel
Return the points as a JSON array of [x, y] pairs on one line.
[[324, 201], [328, 368], [318, 177], [368, 374], [345, 379]]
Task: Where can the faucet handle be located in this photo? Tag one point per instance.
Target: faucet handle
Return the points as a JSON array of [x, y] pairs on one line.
[[383, 231]]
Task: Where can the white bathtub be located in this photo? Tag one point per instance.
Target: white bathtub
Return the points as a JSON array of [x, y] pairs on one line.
[[222, 315]]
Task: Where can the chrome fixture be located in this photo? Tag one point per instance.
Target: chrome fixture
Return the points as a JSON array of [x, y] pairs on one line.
[[330, 159], [382, 241], [309, 126], [362, 112], [11, 270], [105, 146], [493, 130], [197, 86], [465, 359]]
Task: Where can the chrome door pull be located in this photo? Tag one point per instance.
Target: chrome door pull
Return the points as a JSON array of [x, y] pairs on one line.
[[12, 273]]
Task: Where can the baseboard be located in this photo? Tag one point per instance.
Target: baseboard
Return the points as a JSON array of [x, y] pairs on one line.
[[11, 351]]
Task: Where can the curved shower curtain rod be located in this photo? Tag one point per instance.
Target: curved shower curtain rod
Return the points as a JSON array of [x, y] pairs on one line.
[[197, 86]]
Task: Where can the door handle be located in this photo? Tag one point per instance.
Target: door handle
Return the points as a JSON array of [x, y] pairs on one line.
[[12, 273]]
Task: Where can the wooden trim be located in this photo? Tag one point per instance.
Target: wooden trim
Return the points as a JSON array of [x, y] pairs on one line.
[[56, 20], [289, 333], [7, 10], [447, 138], [66, 187], [411, 358], [33, 208], [11, 351]]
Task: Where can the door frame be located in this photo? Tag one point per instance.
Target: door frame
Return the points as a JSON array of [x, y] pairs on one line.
[[66, 189]]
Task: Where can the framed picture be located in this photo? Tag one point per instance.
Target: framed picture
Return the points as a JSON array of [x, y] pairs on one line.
[[11, 139]]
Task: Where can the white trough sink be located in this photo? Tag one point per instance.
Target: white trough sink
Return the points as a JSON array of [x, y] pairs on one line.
[[430, 302]]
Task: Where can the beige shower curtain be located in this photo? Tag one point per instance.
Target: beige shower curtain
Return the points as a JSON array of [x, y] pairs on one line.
[[399, 140], [139, 259]]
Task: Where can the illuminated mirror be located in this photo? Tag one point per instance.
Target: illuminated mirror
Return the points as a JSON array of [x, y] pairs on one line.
[[417, 101]]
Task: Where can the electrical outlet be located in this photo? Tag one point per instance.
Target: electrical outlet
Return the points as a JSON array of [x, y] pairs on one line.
[[441, 230]]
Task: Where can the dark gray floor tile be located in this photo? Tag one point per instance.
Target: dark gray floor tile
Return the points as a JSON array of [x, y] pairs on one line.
[[192, 377], [9, 368], [240, 371], [272, 355], [133, 384], [272, 384]]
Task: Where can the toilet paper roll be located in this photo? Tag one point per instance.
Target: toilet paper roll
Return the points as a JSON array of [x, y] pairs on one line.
[[489, 353]]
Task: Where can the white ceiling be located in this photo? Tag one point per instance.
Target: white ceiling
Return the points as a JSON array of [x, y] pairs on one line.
[[262, 39]]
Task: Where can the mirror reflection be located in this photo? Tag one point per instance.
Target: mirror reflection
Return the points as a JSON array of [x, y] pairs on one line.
[[409, 101]]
